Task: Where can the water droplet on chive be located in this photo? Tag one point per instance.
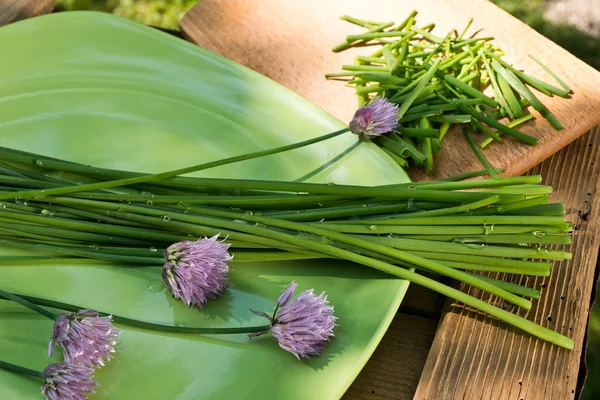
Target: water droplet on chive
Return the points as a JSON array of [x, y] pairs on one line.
[[152, 249], [373, 228], [166, 218], [39, 163], [47, 213]]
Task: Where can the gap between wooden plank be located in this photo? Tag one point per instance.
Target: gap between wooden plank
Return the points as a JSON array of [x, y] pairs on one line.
[[393, 371]]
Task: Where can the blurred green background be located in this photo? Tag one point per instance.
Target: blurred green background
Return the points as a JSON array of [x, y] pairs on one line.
[[560, 21]]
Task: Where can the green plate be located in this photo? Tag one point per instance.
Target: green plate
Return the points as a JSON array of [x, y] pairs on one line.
[[101, 90]]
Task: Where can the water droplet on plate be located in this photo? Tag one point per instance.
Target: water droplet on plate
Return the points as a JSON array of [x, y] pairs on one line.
[[156, 287]]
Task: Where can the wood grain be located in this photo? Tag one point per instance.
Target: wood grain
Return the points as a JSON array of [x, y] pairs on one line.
[[476, 357], [393, 371], [16, 10], [290, 42]]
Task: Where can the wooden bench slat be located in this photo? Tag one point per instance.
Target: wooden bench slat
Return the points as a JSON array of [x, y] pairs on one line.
[[477, 357], [16, 10]]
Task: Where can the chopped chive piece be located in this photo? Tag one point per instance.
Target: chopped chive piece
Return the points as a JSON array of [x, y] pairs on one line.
[[410, 148], [496, 86], [444, 129], [390, 60], [540, 85], [471, 174], [511, 99], [493, 123], [516, 84], [375, 35], [465, 30], [373, 60], [491, 171], [420, 86], [552, 74], [367, 68], [469, 41], [398, 159], [492, 135], [416, 116], [426, 35], [419, 132], [511, 124], [451, 118], [360, 22]]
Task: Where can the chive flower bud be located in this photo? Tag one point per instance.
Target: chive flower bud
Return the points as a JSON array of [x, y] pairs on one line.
[[374, 119], [196, 271]]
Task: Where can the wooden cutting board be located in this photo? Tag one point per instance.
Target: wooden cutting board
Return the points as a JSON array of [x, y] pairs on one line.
[[291, 41]]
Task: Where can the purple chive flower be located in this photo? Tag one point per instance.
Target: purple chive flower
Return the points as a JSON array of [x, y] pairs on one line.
[[302, 325], [196, 271], [87, 339], [65, 381], [374, 119]]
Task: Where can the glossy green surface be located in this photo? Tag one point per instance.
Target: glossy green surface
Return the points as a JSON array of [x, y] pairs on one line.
[[101, 90]]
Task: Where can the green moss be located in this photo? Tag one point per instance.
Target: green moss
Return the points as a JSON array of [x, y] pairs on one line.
[[162, 13]]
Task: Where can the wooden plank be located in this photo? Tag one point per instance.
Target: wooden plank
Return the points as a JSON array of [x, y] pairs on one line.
[[16, 10], [393, 371], [476, 357], [291, 41]]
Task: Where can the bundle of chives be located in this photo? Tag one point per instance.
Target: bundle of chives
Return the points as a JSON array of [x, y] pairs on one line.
[[442, 227]]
